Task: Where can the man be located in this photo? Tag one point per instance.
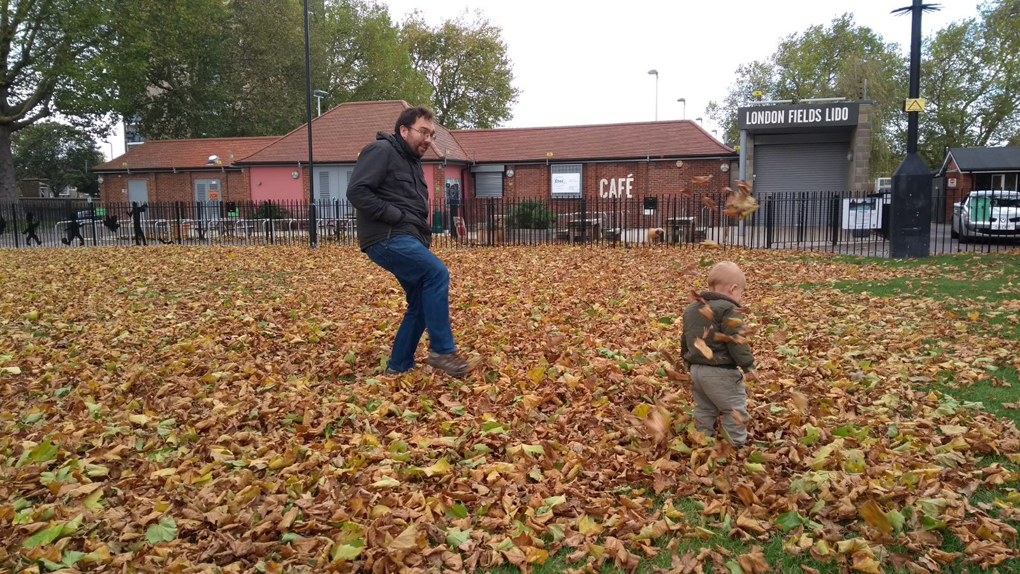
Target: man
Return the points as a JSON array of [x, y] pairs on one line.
[[389, 193]]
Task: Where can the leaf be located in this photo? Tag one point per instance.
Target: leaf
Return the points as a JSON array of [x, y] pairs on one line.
[[458, 510], [386, 482], [896, 519], [43, 452], [163, 531], [811, 434], [349, 551], [441, 467], [407, 540], [929, 523], [554, 501], [455, 537], [92, 502], [789, 520], [11, 370], [700, 345], [44, 537], [536, 555], [588, 527], [874, 516]]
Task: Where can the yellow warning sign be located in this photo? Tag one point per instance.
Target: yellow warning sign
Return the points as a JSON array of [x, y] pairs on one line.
[[914, 105]]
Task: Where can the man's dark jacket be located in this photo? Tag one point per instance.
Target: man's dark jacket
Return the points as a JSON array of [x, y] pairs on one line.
[[388, 191]]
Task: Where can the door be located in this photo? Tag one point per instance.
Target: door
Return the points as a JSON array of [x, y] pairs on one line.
[[138, 191], [208, 197]]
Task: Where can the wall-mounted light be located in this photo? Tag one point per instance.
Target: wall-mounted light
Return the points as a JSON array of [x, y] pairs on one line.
[[294, 174], [850, 155], [509, 173], [99, 180], [724, 167]]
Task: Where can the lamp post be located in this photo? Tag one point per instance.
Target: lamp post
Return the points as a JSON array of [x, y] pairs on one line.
[[319, 94], [312, 239], [684, 102], [910, 220], [656, 74], [698, 120]]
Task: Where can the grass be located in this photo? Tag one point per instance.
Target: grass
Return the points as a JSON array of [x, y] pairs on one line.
[[966, 282]]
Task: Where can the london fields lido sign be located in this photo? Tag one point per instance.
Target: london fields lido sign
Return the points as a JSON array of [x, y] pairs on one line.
[[798, 117]]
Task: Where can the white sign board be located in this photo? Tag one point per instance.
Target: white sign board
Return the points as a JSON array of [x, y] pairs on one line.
[[566, 184], [862, 213]]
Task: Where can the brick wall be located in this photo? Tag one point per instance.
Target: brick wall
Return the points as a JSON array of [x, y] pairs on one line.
[[662, 178], [964, 185], [169, 186]]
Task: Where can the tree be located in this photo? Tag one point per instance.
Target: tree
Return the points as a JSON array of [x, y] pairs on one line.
[[61, 153], [217, 72], [65, 57], [364, 57], [183, 92], [833, 61], [971, 79], [467, 65]]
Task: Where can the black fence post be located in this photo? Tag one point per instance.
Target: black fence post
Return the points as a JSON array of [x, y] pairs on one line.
[[836, 217], [14, 223], [179, 216], [92, 221], [770, 220]]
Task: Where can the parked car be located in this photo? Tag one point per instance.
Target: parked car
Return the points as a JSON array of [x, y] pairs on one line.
[[987, 213]]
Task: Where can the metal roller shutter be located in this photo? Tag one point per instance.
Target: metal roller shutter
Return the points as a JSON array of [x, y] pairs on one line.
[[489, 184], [796, 177]]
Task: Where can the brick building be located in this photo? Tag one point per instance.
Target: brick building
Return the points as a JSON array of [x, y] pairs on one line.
[[638, 163], [975, 169], [161, 171]]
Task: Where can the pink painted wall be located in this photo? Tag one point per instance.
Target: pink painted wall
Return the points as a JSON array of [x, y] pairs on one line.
[[453, 172], [276, 184]]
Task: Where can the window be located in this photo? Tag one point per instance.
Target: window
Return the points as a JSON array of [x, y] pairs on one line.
[[566, 180], [651, 204]]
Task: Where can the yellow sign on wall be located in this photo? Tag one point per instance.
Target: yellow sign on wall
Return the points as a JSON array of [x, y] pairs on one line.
[[914, 105]]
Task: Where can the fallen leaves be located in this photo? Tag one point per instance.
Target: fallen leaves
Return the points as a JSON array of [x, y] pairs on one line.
[[196, 424]]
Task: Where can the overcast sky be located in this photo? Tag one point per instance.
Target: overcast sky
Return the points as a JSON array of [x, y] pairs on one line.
[[578, 64]]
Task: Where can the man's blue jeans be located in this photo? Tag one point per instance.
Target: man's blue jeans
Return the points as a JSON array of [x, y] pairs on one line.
[[427, 284]]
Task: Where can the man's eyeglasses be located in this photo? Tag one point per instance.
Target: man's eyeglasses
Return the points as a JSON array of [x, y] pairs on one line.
[[425, 133]]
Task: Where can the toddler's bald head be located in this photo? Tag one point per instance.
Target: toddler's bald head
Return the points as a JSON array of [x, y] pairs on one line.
[[726, 277]]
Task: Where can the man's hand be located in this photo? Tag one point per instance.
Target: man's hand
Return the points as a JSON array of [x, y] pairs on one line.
[[751, 375]]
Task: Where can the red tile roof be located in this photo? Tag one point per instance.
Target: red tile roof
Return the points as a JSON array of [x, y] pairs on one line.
[[185, 154], [340, 134], [681, 138]]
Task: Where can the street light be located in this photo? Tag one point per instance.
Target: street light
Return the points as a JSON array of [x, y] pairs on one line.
[[319, 94], [698, 120], [312, 239], [684, 102], [656, 74]]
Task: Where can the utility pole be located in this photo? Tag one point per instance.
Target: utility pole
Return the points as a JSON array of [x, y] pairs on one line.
[[910, 220]]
